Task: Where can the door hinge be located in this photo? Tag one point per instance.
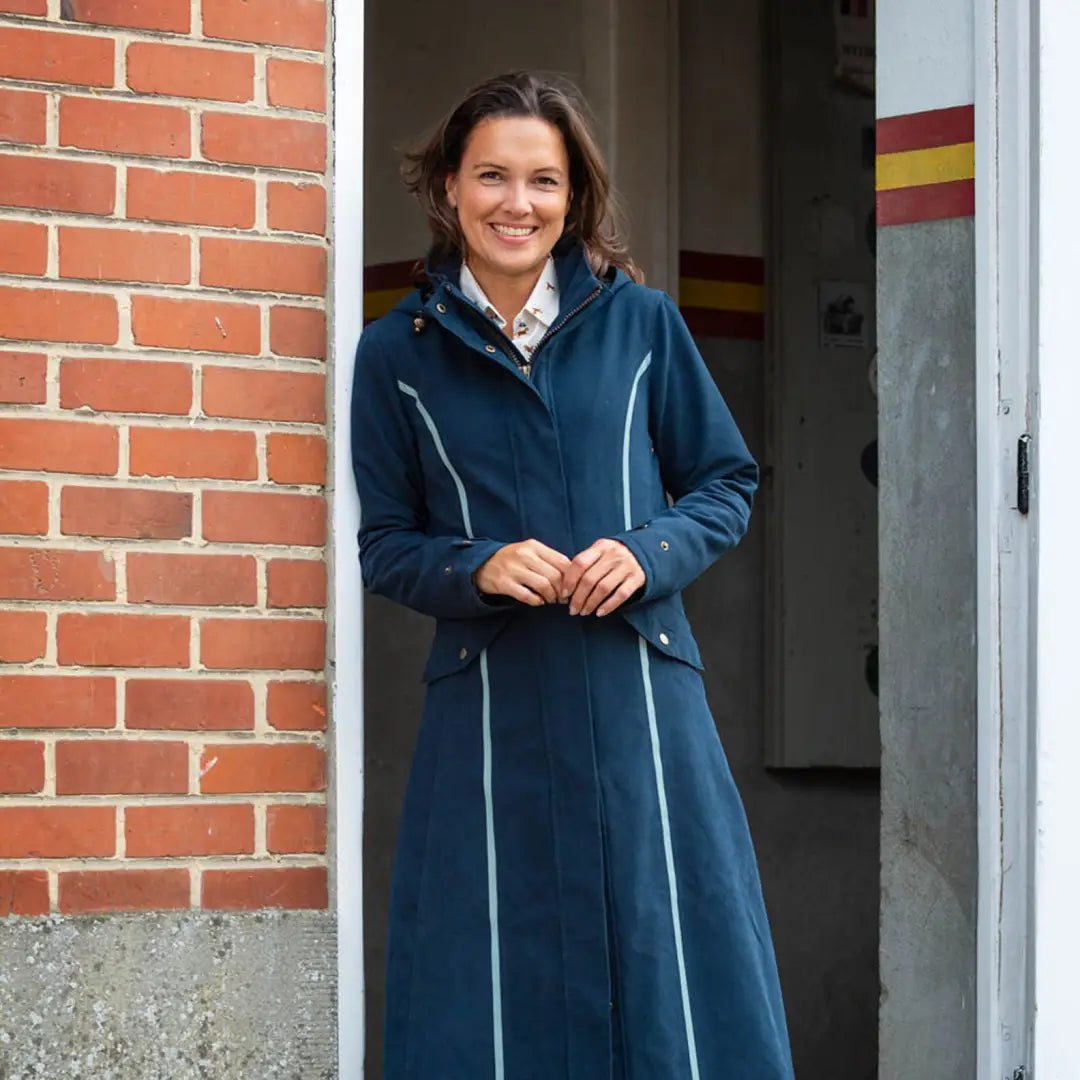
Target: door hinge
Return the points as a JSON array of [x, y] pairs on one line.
[[1023, 501]]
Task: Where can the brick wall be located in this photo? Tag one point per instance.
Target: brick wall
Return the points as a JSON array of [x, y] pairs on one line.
[[162, 454]]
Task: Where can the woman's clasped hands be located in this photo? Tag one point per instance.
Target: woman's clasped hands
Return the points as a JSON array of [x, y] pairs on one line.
[[598, 580]]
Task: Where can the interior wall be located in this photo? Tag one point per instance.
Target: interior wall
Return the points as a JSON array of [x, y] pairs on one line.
[[815, 831]]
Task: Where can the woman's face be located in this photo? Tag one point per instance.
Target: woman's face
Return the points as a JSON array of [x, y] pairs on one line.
[[512, 194]]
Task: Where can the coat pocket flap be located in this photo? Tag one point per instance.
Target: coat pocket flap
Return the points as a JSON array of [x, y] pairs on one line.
[[458, 643], [663, 625]]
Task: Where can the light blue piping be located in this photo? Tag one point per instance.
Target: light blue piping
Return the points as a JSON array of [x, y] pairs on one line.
[[489, 806], [658, 764], [464, 502]]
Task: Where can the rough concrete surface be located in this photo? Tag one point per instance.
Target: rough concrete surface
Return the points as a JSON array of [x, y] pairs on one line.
[[194, 996], [926, 387]]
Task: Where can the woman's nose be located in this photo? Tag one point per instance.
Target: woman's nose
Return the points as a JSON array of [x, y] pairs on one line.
[[517, 199]]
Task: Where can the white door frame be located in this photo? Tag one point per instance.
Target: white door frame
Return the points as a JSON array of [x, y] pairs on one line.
[[346, 664], [1056, 667]]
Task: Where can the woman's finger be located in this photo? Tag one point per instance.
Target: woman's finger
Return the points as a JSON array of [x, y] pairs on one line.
[[595, 586], [549, 555], [620, 595], [579, 565], [520, 592], [538, 583], [608, 584]]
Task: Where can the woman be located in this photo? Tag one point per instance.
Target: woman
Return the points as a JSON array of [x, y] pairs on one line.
[[575, 894]]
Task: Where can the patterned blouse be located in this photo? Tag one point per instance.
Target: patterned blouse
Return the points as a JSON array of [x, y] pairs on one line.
[[533, 321]]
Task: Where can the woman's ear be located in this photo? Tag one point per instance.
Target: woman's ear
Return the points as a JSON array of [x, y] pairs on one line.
[[451, 190]]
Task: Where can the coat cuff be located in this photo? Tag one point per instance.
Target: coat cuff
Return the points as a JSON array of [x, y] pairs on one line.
[[466, 557], [652, 548]]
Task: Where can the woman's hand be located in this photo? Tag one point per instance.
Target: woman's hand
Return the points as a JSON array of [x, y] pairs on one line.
[[601, 578], [527, 571]]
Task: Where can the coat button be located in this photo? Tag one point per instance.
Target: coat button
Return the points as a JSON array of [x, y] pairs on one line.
[[664, 639], [664, 545], [463, 654], [489, 348], [447, 571], [440, 308]]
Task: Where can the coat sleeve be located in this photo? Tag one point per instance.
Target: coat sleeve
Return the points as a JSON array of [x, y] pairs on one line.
[[398, 558], [704, 464]]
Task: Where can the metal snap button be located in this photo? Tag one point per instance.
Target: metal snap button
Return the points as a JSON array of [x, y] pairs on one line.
[[489, 348], [664, 545], [664, 639], [463, 654], [448, 571], [440, 308]]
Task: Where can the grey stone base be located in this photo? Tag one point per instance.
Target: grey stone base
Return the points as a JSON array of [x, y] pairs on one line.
[[197, 996]]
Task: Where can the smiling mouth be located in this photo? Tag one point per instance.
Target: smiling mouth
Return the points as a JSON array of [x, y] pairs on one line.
[[515, 230]]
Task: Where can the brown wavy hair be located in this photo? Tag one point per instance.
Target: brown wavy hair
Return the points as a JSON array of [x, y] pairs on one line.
[[592, 219]]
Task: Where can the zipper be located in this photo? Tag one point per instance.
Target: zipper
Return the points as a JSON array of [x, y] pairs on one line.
[[560, 323]]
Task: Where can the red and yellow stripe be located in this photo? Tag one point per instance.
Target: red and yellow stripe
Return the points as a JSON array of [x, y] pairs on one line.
[[719, 295], [926, 166]]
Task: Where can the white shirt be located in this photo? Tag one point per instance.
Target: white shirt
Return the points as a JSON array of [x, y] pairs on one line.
[[533, 321]]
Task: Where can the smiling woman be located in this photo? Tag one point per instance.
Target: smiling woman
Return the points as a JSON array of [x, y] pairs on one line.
[[575, 893]]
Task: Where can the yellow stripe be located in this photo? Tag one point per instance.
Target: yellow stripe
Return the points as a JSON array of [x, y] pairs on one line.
[[378, 303], [937, 165], [721, 295]]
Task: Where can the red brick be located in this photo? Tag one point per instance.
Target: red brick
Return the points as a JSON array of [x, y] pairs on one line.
[[57, 832], [57, 701], [296, 706], [222, 455], [22, 636], [127, 512], [296, 84], [121, 767], [84, 892], [169, 15], [136, 386], [263, 140], [124, 255], [55, 315], [43, 574], [296, 396], [296, 583], [23, 892], [298, 332], [191, 198], [189, 705], [125, 127], [24, 508], [123, 640], [182, 71], [230, 769], [277, 887], [296, 459], [296, 207], [300, 23], [191, 579], [46, 56], [24, 7], [23, 247], [295, 829], [263, 265], [22, 767], [264, 644], [81, 187], [22, 378], [167, 831], [58, 446], [22, 116], [257, 518], [196, 325]]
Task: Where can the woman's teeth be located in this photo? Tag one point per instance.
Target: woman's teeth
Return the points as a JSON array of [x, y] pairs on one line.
[[512, 230]]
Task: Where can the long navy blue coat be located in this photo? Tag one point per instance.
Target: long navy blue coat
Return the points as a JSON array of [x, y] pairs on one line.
[[575, 893]]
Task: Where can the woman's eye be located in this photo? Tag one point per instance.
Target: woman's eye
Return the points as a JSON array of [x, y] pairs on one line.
[[489, 175], [548, 181]]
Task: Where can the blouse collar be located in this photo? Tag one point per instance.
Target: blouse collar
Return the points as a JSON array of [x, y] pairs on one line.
[[542, 306]]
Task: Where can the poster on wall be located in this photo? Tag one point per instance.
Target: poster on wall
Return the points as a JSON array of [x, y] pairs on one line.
[[854, 21], [843, 314]]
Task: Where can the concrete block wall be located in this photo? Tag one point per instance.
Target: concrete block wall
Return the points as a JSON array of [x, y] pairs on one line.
[[163, 526]]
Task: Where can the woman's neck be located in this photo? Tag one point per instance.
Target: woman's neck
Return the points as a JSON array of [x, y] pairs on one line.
[[507, 293]]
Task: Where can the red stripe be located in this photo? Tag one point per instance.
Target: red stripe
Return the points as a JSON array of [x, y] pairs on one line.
[[749, 269], [710, 322], [920, 131], [926, 202], [391, 275]]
